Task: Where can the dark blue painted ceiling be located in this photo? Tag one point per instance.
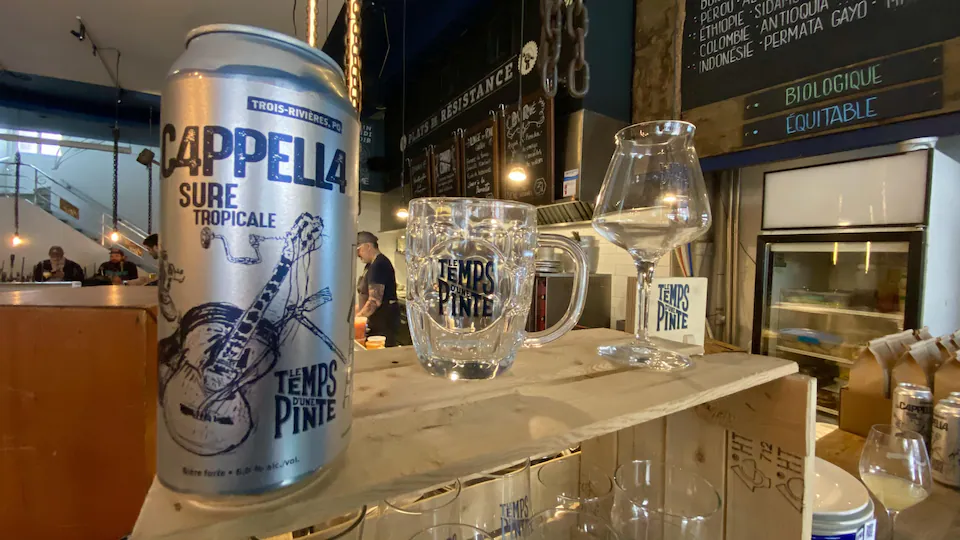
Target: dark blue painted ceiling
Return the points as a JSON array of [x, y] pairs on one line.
[[77, 109]]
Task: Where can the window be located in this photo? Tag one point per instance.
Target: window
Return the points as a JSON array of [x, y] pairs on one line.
[[39, 148]]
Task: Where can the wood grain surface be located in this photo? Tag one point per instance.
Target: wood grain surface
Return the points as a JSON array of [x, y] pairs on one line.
[[107, 296], [412, 430], [77, 418]]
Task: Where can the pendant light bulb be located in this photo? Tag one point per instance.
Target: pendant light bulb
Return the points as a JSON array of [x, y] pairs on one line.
[[517, 173], [517, 168], [114, 236], [402, 213], [16, 240]]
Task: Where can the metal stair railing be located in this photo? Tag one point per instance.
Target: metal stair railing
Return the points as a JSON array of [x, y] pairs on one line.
[[39, 184], [48, 194]]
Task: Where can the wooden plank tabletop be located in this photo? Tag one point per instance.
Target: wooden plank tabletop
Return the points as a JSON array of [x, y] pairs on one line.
[[412, 431], [107, 296], [937, 518]]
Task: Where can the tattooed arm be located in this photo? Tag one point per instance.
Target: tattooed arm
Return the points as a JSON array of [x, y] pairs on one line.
[[361, 301], [374, 299]]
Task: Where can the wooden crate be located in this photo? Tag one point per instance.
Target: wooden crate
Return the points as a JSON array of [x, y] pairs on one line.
[[78, 399], [742, 420]]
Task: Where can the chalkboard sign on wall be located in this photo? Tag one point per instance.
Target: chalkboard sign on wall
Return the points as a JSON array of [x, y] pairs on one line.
[[735, 47], [538, 139], [418, 175], [447, 168], [480, 160]]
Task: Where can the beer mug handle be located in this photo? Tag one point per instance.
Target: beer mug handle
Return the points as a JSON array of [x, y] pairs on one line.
[[579, 293]]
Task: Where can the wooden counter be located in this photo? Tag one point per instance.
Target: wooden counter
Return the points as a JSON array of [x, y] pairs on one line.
[[412, 431], [937, 518], [77, 410]]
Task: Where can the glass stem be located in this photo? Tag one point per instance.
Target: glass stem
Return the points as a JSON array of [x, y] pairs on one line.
[[893, 523], [644, 282]]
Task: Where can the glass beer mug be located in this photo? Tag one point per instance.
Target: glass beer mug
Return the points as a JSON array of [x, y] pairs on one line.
[[470, 268]]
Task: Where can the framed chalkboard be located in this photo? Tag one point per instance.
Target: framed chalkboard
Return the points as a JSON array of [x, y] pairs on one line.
[[447, 168], [538, 140], [736, 47], [418, 175], [480, 154]]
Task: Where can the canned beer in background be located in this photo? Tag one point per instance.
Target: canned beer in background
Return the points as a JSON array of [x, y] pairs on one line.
[[945, 442], [259, 198], [913, 409]]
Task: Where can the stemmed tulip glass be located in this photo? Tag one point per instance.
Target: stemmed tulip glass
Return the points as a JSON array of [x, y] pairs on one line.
[[653, 199]]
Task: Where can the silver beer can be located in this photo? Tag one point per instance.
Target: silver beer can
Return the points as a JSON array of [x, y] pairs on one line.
[[913, 409], [259, 198], [945, 442]]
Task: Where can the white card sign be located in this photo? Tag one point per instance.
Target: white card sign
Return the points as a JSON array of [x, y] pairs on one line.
[[678, 309]]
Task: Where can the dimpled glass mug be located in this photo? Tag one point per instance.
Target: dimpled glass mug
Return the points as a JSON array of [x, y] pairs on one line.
[[470, 274]]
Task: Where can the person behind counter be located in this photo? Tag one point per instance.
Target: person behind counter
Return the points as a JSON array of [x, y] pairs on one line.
[[57, 268], [377, 290], [152, 243], [117, 269]]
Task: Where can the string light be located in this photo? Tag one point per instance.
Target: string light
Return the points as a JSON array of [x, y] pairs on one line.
[[352, 53]]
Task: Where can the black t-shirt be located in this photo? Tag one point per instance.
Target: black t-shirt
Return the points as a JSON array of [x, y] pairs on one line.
[[125, 270], [380, 272], [385, 321]]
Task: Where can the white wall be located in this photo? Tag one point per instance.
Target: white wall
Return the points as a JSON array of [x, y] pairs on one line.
[[91, 171], [39, 230]]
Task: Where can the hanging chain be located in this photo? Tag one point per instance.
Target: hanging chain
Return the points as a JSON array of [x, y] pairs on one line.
[[116, 146], [551, 28], [116, 182], [578, 25], [149, 199], [16, 198], [352, 53], [150, 184]]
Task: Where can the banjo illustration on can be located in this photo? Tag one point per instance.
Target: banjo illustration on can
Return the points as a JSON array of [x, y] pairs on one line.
[[219, 350]]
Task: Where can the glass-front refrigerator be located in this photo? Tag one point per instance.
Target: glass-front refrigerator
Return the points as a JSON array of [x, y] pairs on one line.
[[820, 297]]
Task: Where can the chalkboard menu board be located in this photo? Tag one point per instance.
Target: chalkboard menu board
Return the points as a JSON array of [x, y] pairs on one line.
[[447, 168], [735, 47], [480, 160], [418, 175], [537, 129]]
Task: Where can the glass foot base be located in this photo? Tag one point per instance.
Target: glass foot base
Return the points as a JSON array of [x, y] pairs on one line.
[[464, 369], [644, 356]]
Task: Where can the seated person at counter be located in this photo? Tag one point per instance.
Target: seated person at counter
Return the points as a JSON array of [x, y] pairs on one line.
[[117, 269], [57, 268], [377, 289]]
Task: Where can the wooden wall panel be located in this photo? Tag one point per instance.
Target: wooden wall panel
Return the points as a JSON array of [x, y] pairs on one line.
[[77, 420], [656, 79]]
